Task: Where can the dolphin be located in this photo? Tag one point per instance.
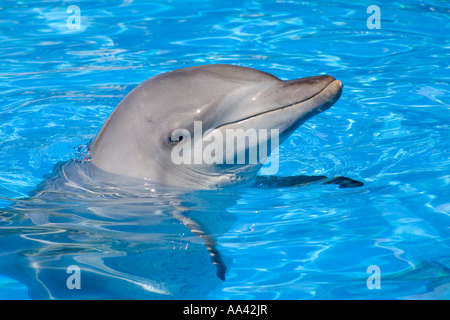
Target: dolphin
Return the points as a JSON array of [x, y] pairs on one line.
[[138, 138], [128, 203]]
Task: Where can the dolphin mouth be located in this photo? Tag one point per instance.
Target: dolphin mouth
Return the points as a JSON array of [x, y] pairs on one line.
[[330, 94], [325, 99]]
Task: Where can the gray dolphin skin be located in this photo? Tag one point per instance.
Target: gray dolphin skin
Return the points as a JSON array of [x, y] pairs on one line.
[[137, 139]]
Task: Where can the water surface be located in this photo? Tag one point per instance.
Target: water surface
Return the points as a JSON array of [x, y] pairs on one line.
[[390, 129]]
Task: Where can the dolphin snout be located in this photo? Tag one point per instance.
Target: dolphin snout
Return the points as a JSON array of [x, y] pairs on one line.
[[305, 88], [313, 81]]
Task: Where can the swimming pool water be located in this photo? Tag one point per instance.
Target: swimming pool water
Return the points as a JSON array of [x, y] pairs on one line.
[[390, 129]]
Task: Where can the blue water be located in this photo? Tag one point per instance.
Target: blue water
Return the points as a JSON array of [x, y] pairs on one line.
[[390, 129]]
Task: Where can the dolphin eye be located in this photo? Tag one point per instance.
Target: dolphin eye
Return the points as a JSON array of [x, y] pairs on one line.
[[176, 139], [178, 135]]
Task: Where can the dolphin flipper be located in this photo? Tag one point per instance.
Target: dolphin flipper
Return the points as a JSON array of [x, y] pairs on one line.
[[345, 182], [291, 181], [208, 239], [301, 180]]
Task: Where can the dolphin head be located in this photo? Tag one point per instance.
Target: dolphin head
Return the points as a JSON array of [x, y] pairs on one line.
[[197, 127]]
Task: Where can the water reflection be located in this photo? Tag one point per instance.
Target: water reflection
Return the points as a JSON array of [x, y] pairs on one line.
[[131, 239]]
